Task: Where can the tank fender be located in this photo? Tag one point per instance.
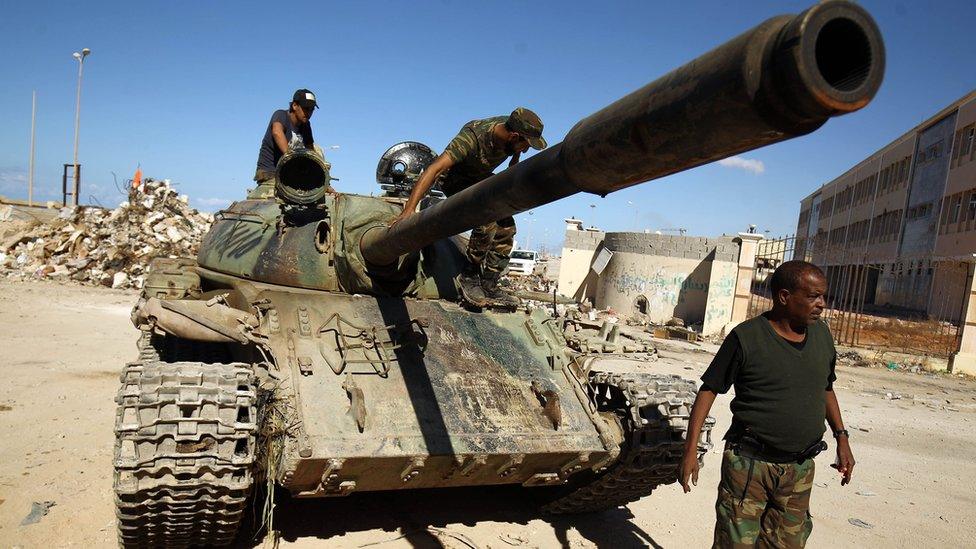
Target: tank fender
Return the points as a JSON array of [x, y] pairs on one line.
[[194, 319]]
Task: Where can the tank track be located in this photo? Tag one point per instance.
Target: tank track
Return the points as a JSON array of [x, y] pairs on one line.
[[655, 415], [184, 451]]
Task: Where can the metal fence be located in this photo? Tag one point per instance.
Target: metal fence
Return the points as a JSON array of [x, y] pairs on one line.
[[854, 317]]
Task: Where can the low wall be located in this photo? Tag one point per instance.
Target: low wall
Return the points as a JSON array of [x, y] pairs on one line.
[[665, 276]]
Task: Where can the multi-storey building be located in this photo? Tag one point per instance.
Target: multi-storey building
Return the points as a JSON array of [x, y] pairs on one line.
[[899, 228]]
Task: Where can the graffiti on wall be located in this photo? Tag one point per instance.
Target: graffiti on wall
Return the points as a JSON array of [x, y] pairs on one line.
[[661, 288]]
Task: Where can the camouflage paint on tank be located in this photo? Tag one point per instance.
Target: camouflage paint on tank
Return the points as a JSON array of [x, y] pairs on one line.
[[250, 240], [459, 387]]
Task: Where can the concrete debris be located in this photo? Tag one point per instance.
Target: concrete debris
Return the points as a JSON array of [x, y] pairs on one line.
[[675, 332], [110, 248]]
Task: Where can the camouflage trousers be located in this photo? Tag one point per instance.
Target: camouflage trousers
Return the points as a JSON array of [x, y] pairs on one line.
[[266, 185], [490, 246], [762, 504]]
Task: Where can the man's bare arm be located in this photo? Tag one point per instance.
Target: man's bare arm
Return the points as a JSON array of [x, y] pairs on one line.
[[278, 134], [515, 159], [441, 164], [845, 458], [689, 461]]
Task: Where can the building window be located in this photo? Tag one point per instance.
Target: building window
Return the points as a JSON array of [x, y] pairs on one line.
[[967, 140], [971, 211]]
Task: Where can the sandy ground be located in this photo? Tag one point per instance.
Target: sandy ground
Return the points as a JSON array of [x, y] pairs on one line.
[[62, 349]]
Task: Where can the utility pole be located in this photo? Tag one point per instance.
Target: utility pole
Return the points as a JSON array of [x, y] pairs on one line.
[[81, 65], [30, 172]]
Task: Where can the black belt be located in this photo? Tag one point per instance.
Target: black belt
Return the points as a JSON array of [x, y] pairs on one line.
[[749, 447]]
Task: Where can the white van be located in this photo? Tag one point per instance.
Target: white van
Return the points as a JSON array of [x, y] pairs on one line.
[[523, 262]]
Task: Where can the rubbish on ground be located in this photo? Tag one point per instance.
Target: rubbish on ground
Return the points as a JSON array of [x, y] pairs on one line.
[[105, 247], [860, 523], [38, 511], [865, 493]]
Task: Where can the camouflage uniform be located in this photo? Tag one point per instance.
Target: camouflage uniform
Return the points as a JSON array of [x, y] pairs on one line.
[[762, 504], [266, 185], [475, 157]]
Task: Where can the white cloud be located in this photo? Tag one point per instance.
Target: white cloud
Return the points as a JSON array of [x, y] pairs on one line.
[[13, 181], [748, 164], [212, 203]]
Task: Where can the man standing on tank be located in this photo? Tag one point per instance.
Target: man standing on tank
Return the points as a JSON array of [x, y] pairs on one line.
[[479, 148], [287, 130], [781, 365]]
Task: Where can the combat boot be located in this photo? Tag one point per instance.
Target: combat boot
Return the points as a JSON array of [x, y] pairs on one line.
[[494, 295], [469, 286]]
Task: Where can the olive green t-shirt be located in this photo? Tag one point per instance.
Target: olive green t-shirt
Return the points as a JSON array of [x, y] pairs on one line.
[[474, 153], [779, 386]]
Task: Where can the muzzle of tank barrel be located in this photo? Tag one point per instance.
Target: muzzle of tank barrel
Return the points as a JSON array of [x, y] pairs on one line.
[[782, 79], [301, 178]]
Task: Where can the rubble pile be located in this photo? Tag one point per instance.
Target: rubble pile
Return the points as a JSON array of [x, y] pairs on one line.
[[106, 247]]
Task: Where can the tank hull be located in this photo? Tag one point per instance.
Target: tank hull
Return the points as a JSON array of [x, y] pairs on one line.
[[391, 393]]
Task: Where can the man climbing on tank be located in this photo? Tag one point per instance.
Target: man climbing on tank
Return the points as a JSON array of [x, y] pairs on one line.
[[287, 130], [479, 148]]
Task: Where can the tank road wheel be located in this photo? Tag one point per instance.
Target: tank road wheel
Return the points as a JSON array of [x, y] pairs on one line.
[[654, 412], [184, 451]]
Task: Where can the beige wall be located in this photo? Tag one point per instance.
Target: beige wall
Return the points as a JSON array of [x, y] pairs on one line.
[[580, 246], [692, 278], [576, 279], [721, 296], [698, 292]]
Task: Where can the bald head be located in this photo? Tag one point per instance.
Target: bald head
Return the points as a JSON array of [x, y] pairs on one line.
[[789, 275], [799, 290]]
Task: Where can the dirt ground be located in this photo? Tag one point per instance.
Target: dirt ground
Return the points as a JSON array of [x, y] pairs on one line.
[[62, 348]]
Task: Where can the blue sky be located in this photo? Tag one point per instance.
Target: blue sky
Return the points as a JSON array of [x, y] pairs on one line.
[[186, 89]]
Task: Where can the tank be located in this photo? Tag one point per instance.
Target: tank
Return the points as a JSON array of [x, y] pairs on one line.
[[313, 347]]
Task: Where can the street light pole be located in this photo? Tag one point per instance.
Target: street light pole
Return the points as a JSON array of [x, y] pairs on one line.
[[30, 173], [81, 65]]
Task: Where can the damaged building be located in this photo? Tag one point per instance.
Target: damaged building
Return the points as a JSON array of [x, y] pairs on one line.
[[703, 281], [898, 230]]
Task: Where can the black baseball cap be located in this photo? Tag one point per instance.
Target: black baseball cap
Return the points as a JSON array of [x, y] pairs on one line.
[[305, 99]]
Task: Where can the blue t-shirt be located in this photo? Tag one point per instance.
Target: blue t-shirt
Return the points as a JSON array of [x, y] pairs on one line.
[[297, 138]]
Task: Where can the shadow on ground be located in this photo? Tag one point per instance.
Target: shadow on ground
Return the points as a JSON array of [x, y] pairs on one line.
[[424, 518]]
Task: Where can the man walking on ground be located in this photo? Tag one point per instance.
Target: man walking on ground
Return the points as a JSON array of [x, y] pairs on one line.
[[287, 130], [781, 364], [479, 148]]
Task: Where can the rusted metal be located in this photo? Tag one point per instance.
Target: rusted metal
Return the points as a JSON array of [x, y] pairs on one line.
[[782, 79], [301, 178], [194, 320]]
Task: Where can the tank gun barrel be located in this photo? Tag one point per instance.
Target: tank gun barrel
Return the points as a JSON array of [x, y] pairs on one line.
[[782, 79]]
